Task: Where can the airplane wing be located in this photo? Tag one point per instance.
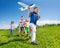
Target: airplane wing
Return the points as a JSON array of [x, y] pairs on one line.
[[22, 4], [25, 7], [22, 9], [33, 5]]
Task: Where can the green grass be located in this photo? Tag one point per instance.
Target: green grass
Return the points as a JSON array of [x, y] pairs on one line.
[[47, 37]]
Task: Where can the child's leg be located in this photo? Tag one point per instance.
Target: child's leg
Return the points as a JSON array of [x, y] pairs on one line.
[[33, 36], [11, 31], [27, 31], [33, 33], [20, 29]]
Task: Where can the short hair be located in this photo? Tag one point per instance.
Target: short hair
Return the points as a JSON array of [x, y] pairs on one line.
[[22, 16], [12, 22], [35, 7]]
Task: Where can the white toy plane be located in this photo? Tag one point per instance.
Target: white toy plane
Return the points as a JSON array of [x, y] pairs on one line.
[[25, 7]]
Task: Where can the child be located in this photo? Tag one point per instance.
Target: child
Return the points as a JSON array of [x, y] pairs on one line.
[[33, 19], [21, 24], [26, 27], [12, 27]]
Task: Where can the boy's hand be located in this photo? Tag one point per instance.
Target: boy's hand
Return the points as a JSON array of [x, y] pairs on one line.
[[38, 17], [29, 11], [29, 8]]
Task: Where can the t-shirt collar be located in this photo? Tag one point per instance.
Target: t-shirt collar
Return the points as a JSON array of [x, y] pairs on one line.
[[34, 12]]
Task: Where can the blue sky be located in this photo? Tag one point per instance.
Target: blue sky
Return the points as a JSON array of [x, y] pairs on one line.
[[48, 10]]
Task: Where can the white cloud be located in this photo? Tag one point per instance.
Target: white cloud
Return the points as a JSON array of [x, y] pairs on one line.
[[43, 22], [39, 22]]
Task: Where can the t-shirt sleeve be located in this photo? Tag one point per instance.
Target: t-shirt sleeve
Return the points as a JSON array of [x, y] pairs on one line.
[[37, 17], [20, 21], [31, 14]]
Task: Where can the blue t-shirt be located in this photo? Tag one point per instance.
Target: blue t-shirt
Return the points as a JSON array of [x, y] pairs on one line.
[[33, 17]]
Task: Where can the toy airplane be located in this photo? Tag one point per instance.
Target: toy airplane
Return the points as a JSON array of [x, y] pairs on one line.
[[25, 7]]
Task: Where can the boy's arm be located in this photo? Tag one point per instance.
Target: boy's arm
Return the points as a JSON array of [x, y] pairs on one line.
[[20, 21], [38, 17], [24, 23], [29, 11]]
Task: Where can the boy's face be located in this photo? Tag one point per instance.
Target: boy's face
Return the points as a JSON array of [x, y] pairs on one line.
[[26, 20], [36, 10], [12, 22], [23, 17]]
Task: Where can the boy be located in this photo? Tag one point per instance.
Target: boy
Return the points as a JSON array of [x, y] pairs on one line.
[[12, 27], [26, 27], [21, 24], [33, 19]]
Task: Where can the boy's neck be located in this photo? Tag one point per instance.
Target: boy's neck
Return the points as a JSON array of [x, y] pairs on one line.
[[35, 12]]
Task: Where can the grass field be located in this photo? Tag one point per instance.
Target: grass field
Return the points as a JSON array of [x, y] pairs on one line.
[[47, 37]]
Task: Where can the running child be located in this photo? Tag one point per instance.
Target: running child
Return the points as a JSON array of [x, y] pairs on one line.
[[27, 29], [21, 24], [12, 27], [33, 19]]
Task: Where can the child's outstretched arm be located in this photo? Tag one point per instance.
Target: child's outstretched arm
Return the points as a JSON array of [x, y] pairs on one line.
[[38, 17], [29, 11]]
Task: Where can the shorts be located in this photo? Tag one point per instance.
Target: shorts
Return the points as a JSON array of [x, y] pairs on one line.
[[21, 28]]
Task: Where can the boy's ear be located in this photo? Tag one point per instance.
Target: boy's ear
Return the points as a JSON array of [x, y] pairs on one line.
[[38, 16]]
